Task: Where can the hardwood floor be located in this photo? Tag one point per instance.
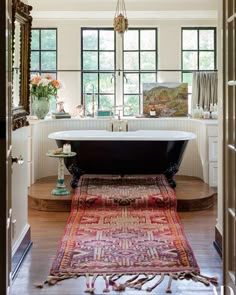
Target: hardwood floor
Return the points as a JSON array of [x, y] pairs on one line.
[[192, 194], [47, 229]]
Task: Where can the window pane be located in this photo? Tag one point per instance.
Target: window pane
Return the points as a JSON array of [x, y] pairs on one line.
[[133, 101], [34, 61], [106, 60], [148, 78], [90, 39], [190, 39], [189, 103], [206, 39], [148, 60], [190, 60], [131, 40], [48, 60], [90, 106], [35, 40], [106, 83], [106, 40], [106, 102], [188, 78], [90, 82], [48, 40], [148, 39], [206, 60], [90, 61], [131, 61], [131, 83]]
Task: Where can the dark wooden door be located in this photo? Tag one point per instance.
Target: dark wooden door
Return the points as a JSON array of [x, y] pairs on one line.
[[229, 144], [5, 145]]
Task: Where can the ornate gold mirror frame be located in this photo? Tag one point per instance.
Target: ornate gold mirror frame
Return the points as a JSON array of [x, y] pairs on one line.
[[21, 36]]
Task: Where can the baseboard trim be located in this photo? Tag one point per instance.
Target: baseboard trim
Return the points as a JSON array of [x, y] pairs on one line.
[[218, 242], [21, 252]]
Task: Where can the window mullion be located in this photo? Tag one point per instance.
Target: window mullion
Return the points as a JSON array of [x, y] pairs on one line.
[[119, 74]]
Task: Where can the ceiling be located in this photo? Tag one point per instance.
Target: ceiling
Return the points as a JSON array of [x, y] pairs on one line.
[[131, 5], [136, 9]]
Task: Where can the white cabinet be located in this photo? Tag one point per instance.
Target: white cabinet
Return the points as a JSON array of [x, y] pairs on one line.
[[213, 155]]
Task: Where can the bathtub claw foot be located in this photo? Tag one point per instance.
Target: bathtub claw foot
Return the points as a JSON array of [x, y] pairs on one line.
[[170, 173], [76, 173], [172, 182]]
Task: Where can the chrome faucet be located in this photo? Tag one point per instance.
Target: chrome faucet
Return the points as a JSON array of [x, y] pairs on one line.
[[119, 108], [119, 125]]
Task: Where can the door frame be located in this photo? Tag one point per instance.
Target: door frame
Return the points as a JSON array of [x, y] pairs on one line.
[[229, 143], [5, 142]]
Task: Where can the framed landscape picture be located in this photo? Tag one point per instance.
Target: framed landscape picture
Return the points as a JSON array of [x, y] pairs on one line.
[[168, 99]]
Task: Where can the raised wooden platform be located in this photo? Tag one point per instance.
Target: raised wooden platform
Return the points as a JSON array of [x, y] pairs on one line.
[[40, 197], [192, 194]]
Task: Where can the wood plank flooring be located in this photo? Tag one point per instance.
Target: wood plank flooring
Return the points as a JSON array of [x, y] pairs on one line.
[[47, 229], [192, 194]]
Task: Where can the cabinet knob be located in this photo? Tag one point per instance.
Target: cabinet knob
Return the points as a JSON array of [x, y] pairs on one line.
[[18, 160]]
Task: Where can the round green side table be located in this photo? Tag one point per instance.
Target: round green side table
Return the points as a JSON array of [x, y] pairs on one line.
[[60, 189]]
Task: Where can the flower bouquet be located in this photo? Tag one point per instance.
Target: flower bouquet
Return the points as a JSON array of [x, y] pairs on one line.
[[43, 89]]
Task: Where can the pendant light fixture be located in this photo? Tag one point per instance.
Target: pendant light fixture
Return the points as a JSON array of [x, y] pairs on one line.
[[120, 19]]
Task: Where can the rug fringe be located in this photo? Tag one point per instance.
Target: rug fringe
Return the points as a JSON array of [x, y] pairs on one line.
[[168, 289], [204, 279], [106, 290], [116, 286], [149, 289], [213, 280], [135, 282], [139, 285], [132, 279]]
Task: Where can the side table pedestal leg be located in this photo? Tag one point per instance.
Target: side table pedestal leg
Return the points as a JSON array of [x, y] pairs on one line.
[[60, 189]]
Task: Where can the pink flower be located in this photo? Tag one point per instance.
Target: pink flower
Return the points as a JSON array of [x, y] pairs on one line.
[[36, 80]]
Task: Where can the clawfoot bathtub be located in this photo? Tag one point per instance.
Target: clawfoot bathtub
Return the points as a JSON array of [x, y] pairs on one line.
[[133, 152]]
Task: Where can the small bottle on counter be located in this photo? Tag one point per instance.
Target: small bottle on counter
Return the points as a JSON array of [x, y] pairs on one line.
[[214, 115], [152, 112], [206, 113], [66, 148], [201, 113]]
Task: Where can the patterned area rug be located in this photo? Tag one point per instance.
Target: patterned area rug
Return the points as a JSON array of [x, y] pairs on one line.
[[125, 226]]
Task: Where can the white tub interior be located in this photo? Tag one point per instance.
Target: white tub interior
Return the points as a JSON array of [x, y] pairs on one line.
[[142, 135]]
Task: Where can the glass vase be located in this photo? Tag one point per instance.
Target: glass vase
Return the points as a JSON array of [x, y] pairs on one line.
[[40, 107]]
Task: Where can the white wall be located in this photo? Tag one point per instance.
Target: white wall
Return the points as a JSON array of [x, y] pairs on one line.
[[169, 49]]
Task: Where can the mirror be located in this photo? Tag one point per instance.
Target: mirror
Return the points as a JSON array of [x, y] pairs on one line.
[[21, 36]]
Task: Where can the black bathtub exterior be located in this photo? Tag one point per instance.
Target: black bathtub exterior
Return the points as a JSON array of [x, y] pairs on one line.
[[124, 157]]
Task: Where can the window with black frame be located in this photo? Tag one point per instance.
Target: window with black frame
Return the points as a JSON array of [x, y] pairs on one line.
[[44, 51], [140, 64], [198, 52], [115, 66], [44, 61], [98, 68]]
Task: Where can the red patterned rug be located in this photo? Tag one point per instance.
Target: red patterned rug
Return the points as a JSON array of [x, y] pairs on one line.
[[125, 226]]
